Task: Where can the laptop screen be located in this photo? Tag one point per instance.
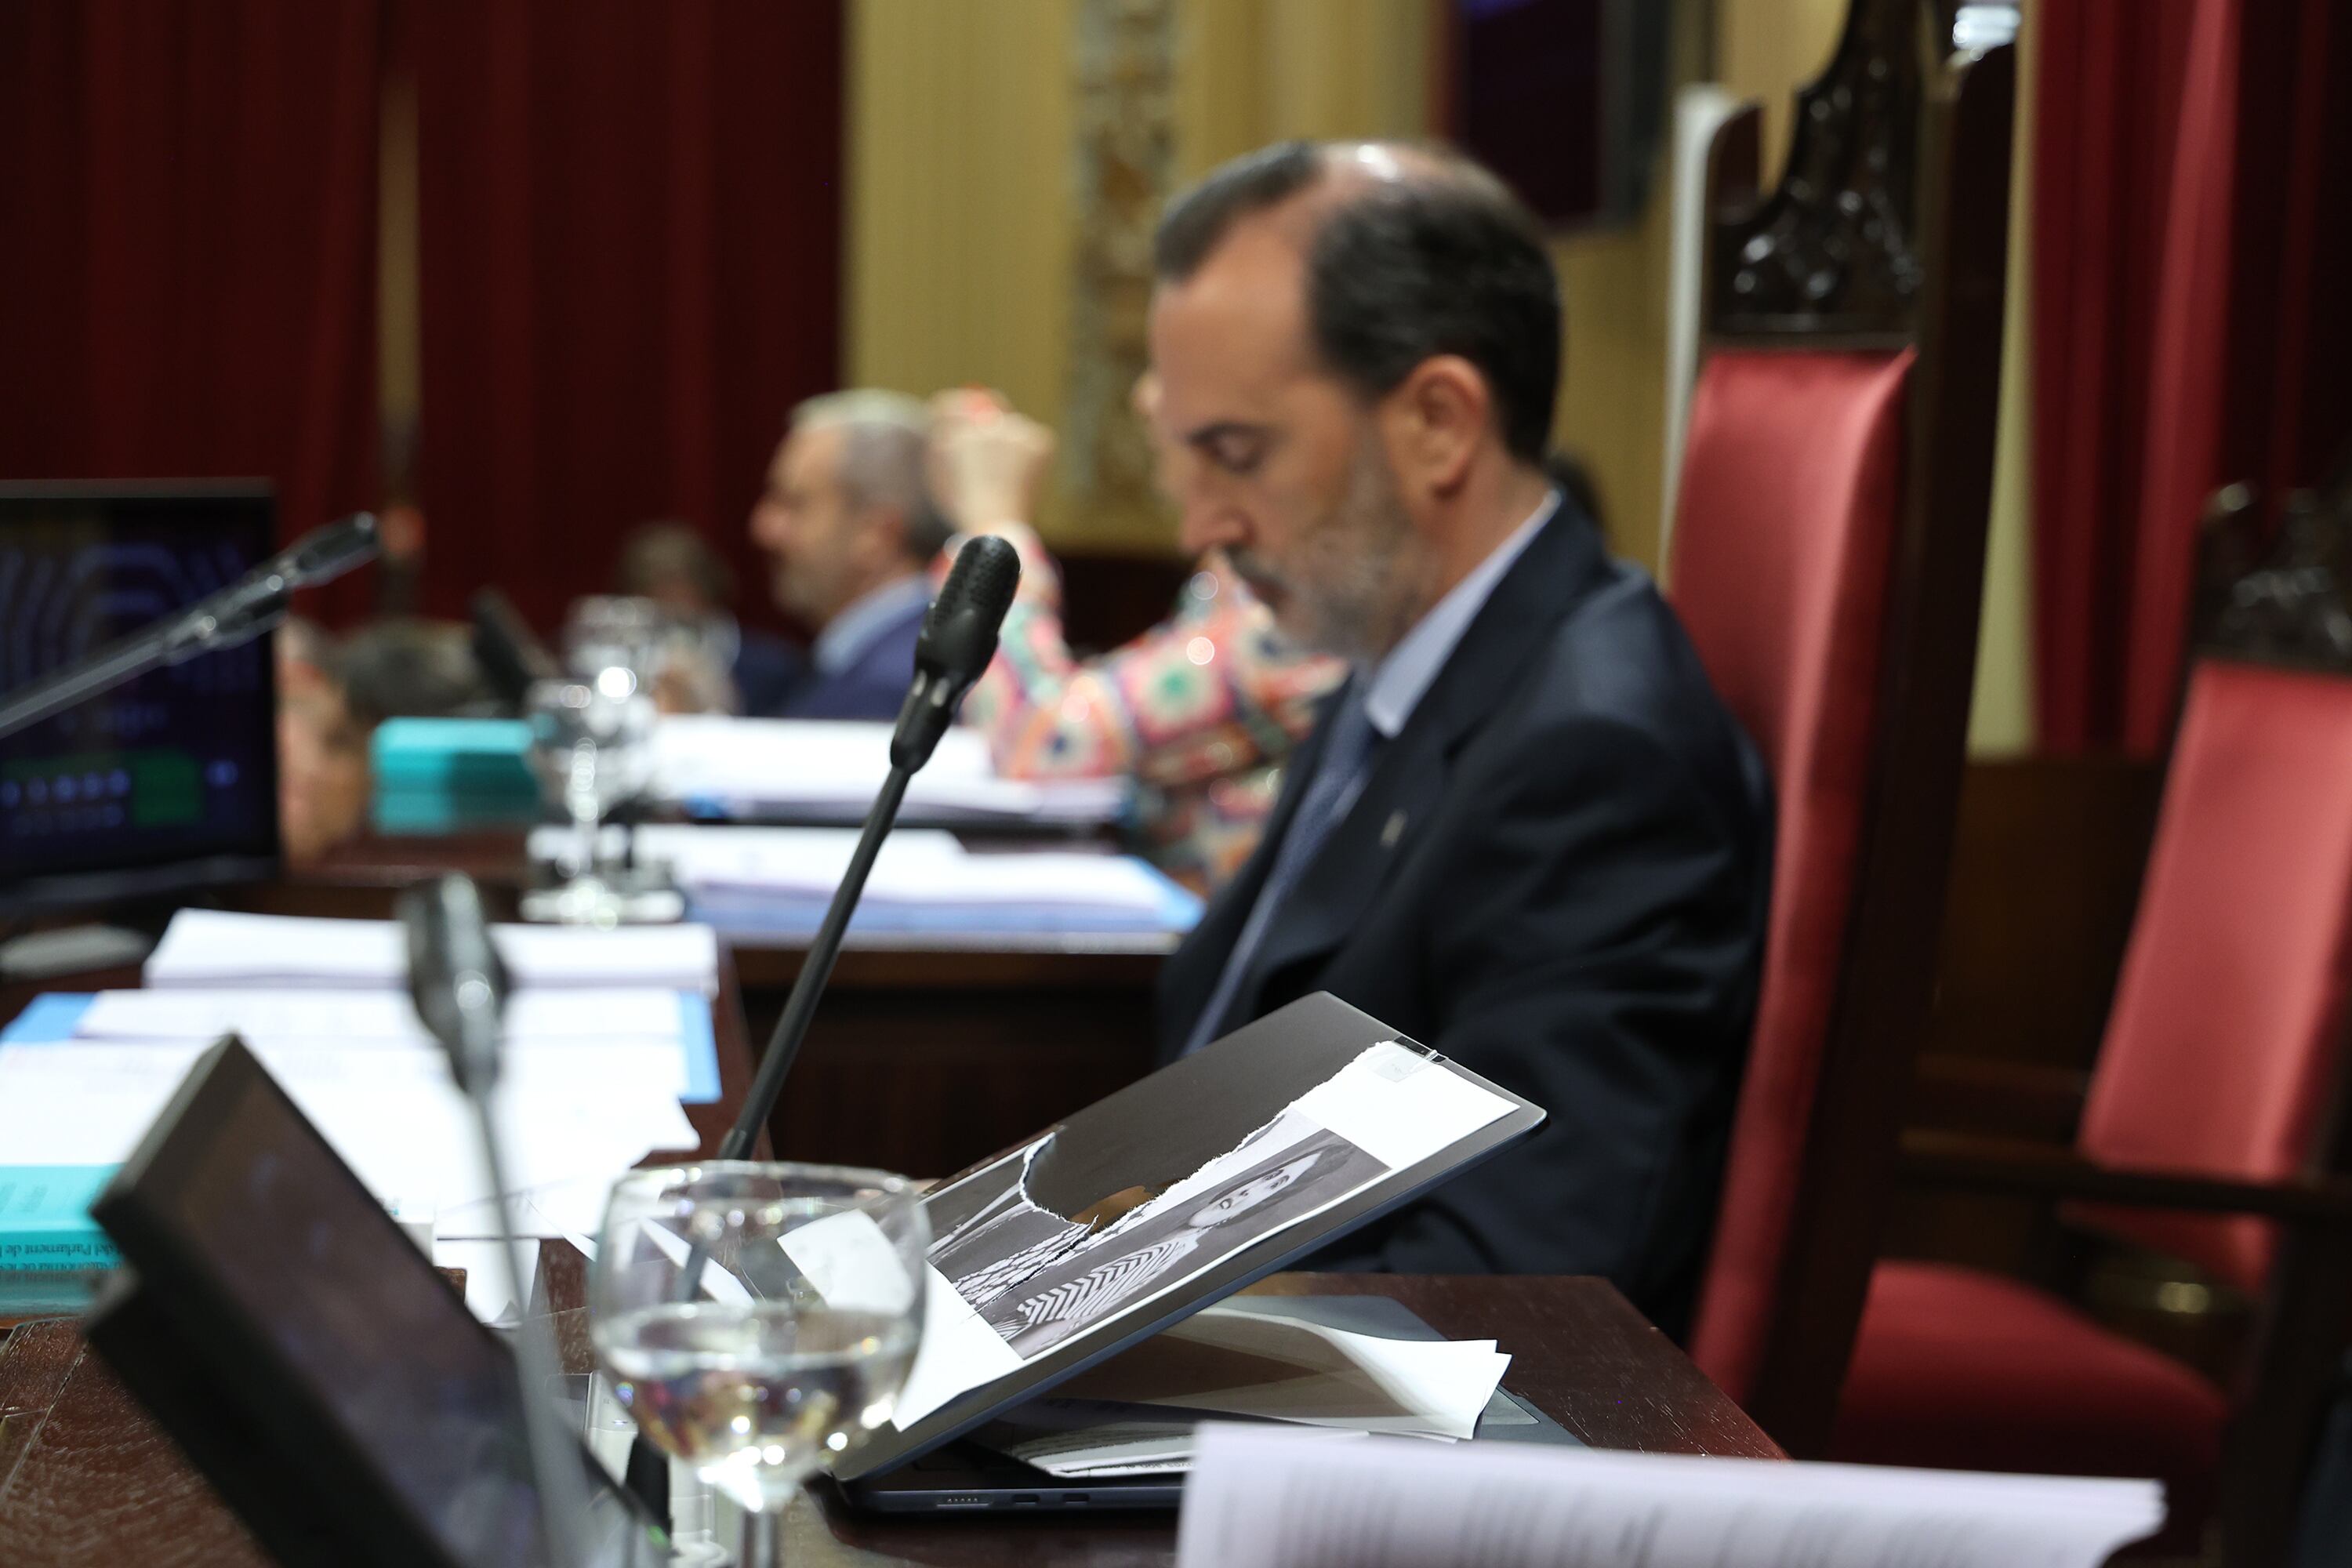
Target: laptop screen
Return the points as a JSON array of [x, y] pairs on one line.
[[169, 780]]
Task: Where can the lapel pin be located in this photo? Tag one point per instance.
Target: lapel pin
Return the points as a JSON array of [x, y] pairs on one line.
[[1393, 830]]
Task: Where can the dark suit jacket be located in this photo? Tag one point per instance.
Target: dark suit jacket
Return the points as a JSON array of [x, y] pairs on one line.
[[766, 669], [873, 687], [1556, 875]]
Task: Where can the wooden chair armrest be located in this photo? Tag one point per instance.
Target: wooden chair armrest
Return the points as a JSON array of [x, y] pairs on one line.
[[1959, 1089], [2021, 1166]]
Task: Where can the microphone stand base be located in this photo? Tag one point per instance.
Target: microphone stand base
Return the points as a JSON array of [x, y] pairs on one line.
[[618, 897]]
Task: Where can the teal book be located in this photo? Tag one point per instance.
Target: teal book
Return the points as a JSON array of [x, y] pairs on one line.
[[45, 1224], [462, 757]]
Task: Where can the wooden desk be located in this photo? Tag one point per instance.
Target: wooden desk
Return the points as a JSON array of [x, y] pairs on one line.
[[925, 1055], [87, 1481]]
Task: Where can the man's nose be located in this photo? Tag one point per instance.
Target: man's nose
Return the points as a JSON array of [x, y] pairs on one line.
[[1211, 520]]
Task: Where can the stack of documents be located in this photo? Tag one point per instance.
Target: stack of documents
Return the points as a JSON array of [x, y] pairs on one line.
[[209, 947], [810, 770], [608, 1037], [776, 882], [1261, 1497]]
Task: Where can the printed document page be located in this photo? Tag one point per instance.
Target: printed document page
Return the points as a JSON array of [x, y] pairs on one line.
[[1259, 1497]]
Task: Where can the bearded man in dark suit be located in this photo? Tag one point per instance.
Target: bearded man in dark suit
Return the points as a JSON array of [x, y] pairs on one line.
[[1525, 831]]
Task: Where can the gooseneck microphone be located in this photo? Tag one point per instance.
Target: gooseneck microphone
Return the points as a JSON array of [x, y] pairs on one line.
[[460, 986], [958, 639], [236, 614], [952, 652]]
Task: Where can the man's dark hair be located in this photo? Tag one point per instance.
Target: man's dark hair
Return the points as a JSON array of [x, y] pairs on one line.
[[671, 550], [1442, 259]]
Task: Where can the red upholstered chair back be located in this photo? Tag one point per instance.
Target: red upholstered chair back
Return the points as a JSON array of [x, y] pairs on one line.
[[1790, 494], [2227, 1026]]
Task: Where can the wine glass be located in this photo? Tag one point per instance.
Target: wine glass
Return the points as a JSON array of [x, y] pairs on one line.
[[610, 632], [591, 747], [758, 1320]]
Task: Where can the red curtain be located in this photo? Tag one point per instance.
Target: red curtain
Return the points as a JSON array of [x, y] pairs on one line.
[[187, 244], [2182, 253], [631, 234]]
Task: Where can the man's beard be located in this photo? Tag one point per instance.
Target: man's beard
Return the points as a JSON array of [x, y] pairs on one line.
[[1354, 588]]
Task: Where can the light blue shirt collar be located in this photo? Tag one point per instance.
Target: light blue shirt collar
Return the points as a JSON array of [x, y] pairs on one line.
[[848, 636], [1402, 679]]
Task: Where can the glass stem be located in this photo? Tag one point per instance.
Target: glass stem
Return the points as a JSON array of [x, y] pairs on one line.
[[762, 1543], [581, 795]]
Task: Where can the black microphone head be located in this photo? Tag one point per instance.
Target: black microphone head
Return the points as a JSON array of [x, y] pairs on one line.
[[959, 635], [329, 551], [456, 978], [509, 656]]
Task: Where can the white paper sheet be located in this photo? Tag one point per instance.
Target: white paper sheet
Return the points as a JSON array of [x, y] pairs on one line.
[[215, 948], [916, 866], [1258, 1366], [390, 1113], [827, 769], [1433, 1388], [318, 1035], [1400, 1107], [371, 1015], [852, 1263], [1258, 1497], [958, 1353]]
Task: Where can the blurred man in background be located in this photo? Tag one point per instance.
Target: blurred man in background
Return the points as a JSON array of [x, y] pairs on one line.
[[848, 521]]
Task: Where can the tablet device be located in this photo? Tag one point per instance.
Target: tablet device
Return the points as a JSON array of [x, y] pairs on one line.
[[309, 1359], [1173, 1194]]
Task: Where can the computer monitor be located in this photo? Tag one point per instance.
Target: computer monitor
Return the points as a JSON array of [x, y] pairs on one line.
[[169, 781]]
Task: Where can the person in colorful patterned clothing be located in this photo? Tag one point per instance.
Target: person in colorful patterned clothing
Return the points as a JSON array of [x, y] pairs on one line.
[[1200, 710]]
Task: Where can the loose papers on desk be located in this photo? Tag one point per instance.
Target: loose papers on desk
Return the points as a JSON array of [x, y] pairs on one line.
[[211, 947], [391, 1114], [1136, 1413], [826, 771], [779, 879], [1259, 1497]]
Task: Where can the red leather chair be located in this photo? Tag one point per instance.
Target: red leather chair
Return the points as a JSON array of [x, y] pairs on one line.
[[1791, 490], [2216, 1092], [1827, 557]]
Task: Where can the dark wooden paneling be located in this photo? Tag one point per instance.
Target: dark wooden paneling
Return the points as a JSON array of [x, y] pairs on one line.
[[2045, 876]]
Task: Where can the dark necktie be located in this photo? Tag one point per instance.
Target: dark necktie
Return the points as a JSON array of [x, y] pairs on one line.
[[1348, 751]]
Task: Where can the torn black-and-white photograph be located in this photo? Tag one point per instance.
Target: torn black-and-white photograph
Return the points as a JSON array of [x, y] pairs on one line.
[[1289, 1170], [990, 1237]]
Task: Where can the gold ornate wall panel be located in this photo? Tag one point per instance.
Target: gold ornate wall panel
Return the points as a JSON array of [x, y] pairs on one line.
[[1125, 167], [961, 230]]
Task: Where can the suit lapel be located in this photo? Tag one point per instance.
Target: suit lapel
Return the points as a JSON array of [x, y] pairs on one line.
[[1559, 567]]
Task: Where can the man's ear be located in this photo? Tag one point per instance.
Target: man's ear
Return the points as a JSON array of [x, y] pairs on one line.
[[1435, 420], [881, 537]]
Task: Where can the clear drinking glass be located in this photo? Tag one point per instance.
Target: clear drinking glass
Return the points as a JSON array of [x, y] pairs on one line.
[[758, 1320], [591, 747], [609, 632]]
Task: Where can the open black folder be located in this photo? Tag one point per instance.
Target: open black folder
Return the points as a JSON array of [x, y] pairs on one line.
[[1173, 1194]]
